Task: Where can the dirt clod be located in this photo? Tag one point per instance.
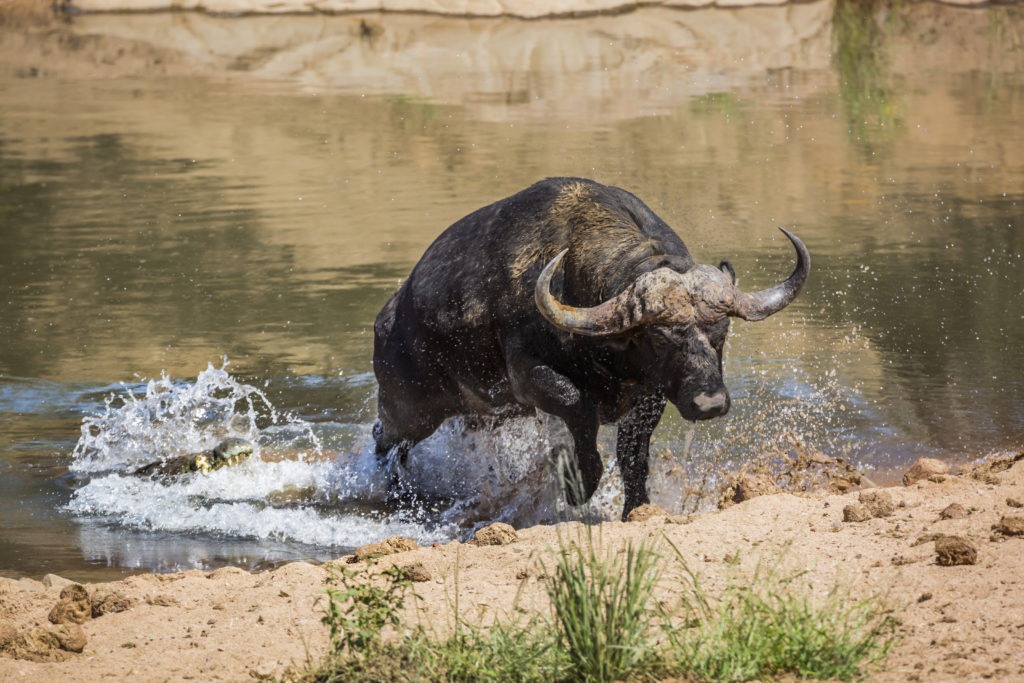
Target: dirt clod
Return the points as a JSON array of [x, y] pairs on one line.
[[47, 643], [1010, 525], [106, 601], [878, 502], [7, 634], [986, 470], [389, 546], [955, 550], [645, 512], [924, 468], [856, 512], [417, 572], [74, 606], [498, 533], [161, 600], [953, 511]]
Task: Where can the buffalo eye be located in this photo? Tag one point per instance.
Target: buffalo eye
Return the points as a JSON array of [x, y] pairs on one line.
[[676, 335], [717, 333]]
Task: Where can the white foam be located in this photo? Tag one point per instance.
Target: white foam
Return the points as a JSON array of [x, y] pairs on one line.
[[292, 491]]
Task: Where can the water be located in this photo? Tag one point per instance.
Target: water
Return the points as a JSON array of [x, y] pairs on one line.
[[195, 245]]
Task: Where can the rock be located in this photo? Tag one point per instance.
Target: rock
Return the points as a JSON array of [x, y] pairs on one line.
[[74, 606], [1010, 525], [924, 468], [70, 637], [291, 494], [748, 486], [645, 512], [878, 502], [389, 546], [106, 601], [46, 643], [954, 550], [417, 573], [37, 644], [498, 533], [953, 511], [1014, 503], [32, 585], [54, 581], [856, 512]]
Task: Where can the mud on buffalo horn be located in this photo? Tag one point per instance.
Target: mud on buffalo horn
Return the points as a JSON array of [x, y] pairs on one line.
[[703, 294]]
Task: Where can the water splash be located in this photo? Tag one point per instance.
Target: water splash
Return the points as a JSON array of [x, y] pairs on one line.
[[281, 493], [297, 492], [178, 418]]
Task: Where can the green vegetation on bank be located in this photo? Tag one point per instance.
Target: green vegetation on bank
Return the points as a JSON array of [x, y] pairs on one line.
[[771, 625], [607, 625]]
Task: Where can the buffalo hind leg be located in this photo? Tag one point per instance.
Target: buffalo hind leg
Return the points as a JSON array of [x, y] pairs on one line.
[[392, 445]]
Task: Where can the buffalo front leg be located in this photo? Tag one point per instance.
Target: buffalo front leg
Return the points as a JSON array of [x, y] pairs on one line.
[[632, 448], [582, 469], [543, 388]]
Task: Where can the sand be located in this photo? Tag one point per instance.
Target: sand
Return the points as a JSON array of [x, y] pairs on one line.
[[958, 622]]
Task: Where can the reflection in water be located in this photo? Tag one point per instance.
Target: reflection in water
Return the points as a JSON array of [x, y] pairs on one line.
[[124, 549], [157, 223], [862, 62]]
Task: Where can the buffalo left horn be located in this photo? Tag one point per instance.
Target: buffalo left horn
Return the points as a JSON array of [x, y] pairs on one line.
[[702, 294]]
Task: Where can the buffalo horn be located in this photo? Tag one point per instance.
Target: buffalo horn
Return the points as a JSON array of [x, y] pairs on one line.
[[668, 297], [760, 305]]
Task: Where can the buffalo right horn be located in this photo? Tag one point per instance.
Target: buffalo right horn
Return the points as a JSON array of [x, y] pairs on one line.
[[760, 305]]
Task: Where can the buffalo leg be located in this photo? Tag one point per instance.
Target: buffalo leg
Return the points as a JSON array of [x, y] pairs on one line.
[[582, 474], [401, 424], [541, 387], [632, 448]]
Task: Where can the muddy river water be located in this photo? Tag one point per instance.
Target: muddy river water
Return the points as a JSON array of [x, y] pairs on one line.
[[200, 218]]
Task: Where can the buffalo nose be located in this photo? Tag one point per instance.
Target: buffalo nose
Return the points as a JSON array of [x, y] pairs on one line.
[[707, 406]]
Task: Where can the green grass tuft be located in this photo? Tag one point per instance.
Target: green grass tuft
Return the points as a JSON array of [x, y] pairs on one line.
[[601, 603], [770, 625], [606, 625]]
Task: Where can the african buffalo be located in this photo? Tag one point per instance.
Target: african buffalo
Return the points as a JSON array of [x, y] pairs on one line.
[[572, 298]]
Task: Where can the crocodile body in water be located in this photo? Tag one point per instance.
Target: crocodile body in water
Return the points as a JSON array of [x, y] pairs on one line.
[[230, 451]]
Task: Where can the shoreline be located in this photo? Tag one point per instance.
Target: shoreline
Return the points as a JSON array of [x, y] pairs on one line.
[[956, 622]]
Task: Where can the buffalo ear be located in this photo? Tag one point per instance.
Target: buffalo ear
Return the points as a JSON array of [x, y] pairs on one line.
[[726, 268]]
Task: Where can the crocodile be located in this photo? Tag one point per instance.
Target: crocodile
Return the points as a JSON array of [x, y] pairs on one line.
[[228, 452]]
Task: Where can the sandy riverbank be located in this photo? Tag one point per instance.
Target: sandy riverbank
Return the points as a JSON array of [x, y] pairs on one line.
[[957, 622]]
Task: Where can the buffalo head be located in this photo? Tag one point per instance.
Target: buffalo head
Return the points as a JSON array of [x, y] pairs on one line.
[[677, 324]]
